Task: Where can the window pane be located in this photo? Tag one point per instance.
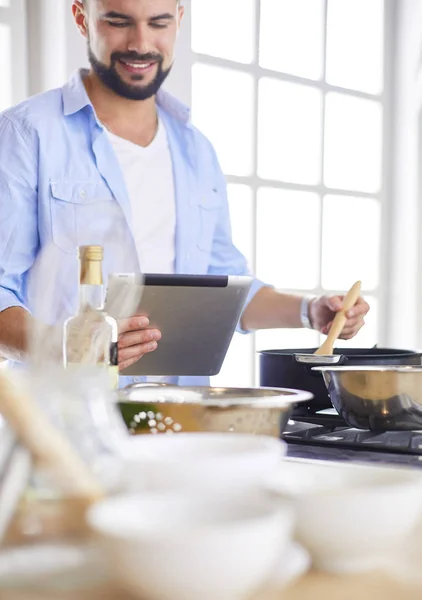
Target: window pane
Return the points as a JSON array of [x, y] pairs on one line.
[[223, 109], [288, 244], [355, 40], [289, 138], [292, 36], [273, 339], [5, 67], [353, 145], [215, 25], [242, 219], [367, 337], [238, 366], [350, 242]]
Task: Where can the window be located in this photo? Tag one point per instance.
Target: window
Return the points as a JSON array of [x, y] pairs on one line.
[[13, 54], [296, 111]]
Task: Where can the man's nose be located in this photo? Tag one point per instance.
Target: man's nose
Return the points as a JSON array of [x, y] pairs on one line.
[[140, 40]]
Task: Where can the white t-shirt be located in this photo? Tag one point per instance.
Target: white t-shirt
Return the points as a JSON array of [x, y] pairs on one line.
[[148, 174]]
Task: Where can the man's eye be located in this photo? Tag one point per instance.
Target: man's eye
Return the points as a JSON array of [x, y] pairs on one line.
[[118, 23], [159, 25]]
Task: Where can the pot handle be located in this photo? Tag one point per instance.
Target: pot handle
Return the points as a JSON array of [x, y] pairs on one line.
[[318, 361], [314, 360]]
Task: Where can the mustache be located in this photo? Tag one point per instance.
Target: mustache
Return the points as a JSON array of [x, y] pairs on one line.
[[134, 56]]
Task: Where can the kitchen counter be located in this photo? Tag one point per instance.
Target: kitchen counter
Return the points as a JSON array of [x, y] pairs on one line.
[[313, 586], [61, 523]]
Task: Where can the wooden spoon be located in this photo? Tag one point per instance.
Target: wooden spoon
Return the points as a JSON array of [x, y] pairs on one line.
[[340, 319], [48, 446]]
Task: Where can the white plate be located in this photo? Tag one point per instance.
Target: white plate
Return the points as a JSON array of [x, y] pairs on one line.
[[67, 567], [51, 566]]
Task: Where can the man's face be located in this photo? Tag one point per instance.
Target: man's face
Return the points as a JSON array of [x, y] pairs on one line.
[[130, 42]]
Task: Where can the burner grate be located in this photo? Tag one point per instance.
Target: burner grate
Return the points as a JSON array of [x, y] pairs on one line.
[[399, 442]]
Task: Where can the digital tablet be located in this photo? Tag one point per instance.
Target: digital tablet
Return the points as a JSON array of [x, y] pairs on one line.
[[196, 314]]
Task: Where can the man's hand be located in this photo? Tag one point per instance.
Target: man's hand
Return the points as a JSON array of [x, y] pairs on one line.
[[323, 310], [135, 340]]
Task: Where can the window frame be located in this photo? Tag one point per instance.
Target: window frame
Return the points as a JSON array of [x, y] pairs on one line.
[[384, 195]]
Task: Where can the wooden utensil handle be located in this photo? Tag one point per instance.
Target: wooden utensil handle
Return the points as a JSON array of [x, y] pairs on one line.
[[352, 296], [340, 318], [47, 444]]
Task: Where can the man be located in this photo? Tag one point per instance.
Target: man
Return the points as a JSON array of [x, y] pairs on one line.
[[111, 152]]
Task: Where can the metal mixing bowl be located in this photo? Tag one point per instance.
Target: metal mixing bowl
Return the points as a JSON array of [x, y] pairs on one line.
[[164, 409], [376, 398]]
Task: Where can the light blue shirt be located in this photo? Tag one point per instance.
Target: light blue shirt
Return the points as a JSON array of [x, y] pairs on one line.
[[61, 186]]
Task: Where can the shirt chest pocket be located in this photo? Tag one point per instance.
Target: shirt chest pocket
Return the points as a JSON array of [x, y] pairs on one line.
[[209, 211], [81, 213]]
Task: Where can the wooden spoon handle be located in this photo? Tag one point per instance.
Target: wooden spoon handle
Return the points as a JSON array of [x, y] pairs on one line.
[[340, 318], [351, 297], [47, 445]]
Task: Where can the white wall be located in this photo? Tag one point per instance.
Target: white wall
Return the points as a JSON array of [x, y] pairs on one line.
[[15, 15], [46, 44], [180, 80], [405, 283], [76, 53]]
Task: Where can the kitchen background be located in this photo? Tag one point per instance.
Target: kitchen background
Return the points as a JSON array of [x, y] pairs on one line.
[[314, 107]]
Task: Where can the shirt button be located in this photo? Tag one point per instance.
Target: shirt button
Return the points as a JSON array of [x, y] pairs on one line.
[[82, 194]]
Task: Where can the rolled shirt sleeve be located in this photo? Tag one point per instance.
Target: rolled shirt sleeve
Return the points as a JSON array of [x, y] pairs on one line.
[[19, 240]]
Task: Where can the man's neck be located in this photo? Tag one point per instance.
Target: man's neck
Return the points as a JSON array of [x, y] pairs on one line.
[[135, 120]]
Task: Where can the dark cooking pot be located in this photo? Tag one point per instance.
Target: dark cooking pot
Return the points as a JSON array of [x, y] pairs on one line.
[[292, 369]]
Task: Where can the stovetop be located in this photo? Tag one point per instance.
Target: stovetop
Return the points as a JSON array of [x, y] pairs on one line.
[[331, 439]]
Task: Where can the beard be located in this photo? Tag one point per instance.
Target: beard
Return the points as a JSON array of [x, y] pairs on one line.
[[111, 78]]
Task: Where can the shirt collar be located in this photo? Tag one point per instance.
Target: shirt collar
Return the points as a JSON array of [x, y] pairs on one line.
[[75, 99]]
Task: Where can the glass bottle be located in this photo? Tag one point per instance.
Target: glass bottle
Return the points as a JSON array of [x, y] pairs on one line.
[[90, 337]]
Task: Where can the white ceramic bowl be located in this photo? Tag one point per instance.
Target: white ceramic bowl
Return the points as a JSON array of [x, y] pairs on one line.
[[217, 461], [190, 546], [358, 519]]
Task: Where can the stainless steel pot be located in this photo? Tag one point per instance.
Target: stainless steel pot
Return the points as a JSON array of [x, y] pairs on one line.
[[376, 398], [263, 411], [292, 368]]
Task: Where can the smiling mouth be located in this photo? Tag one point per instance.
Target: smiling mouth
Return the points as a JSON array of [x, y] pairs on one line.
[[137, 67]]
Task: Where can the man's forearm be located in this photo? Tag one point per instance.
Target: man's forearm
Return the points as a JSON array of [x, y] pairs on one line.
[[269, 309], [14, 326]]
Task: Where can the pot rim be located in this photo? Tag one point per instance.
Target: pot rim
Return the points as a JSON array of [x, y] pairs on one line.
[[370, 368], [364, 352]]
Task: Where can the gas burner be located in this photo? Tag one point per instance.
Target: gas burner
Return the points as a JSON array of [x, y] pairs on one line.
[[326, 436]]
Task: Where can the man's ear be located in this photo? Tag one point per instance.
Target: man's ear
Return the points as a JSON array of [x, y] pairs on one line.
[[181, 13], [80, 16]]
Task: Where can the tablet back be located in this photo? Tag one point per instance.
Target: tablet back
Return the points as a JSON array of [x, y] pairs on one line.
[[197, 316]]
